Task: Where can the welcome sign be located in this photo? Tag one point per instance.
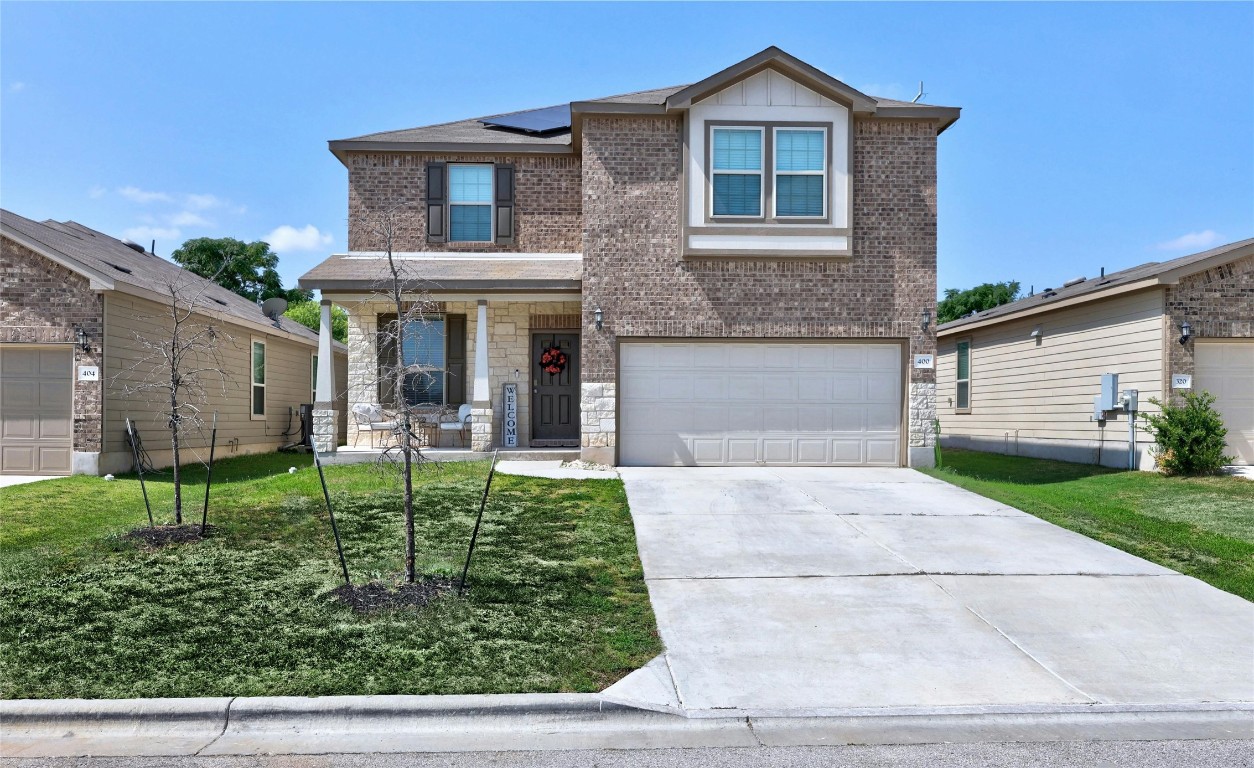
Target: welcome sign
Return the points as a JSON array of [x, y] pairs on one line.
[[509, 421]]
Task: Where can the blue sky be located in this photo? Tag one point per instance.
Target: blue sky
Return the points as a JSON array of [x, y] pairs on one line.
[[1092, 134]]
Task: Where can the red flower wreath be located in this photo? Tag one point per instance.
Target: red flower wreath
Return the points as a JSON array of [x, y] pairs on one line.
[[553, 360]]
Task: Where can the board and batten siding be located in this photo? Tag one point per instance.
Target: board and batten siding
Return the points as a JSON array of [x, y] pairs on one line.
[[1035, 398], [288, 384]]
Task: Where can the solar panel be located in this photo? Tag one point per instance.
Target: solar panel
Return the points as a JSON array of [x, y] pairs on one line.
[[544, 120]]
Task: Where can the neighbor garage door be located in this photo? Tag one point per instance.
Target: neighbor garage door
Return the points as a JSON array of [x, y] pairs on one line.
[[723, 403], [36, 411], [1226, 370]]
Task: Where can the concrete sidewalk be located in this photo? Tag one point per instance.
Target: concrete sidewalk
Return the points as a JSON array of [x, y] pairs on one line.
[[798, 592]]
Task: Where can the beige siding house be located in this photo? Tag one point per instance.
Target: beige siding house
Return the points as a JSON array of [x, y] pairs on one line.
[[1021, 379], [74, 304]]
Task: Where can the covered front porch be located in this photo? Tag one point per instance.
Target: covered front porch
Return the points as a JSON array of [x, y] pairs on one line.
[[483, 351]]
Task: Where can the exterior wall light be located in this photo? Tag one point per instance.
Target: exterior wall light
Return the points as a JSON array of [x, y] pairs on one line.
[[80, 336], [1186, 332], [927, 319], [597, 318]]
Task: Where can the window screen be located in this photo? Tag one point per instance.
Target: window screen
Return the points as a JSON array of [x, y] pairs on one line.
[[800, 172]]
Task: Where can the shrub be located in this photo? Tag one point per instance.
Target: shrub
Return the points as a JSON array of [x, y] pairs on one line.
[[1189, 439]]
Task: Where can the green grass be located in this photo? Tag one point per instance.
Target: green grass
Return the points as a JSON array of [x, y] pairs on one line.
[[557, 600], [1203, 527]]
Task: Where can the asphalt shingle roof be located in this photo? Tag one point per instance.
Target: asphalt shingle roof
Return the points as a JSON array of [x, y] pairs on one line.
[[431, 272], [1095, 285], [122, 264]]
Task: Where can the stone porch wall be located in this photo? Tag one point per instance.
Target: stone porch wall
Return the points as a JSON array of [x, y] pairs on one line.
[[509, 350]]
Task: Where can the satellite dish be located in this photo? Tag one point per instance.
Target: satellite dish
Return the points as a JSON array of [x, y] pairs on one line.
[[272, 308]]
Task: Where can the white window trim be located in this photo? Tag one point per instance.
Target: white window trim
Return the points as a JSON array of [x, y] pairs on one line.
[[760, 173], [775, 173], [252, 378], [491, 202]]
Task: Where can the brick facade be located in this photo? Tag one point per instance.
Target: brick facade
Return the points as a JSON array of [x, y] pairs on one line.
[[547, 214], [1217, 303], [40, 303], [634, 272]]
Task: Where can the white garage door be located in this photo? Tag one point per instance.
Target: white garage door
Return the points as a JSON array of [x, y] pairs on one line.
[[712, 403], [1226, 370], [36, 411]]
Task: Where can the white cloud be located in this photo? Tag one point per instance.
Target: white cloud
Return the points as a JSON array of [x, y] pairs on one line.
[[142, 196], [1192, 241], [96, 192], [203, 202], [17, 87], [142, 235], [188, 219], [288, 238]]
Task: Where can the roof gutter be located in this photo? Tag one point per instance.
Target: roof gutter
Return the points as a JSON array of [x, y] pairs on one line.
[[341, 147]]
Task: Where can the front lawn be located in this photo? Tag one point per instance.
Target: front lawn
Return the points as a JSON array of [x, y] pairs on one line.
[[556, 598], [1203, 527]]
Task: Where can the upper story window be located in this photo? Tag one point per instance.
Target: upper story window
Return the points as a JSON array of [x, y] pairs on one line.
[[470, 203], [768, 173], [800, 172], [736, 184]]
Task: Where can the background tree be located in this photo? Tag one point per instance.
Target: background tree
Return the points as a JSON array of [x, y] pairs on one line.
[[309, 314], [251, 269], [958, 304]]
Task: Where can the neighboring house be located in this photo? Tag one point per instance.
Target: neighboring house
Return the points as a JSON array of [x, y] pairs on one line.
[[739, 271], [1021, 378], [72, 301]]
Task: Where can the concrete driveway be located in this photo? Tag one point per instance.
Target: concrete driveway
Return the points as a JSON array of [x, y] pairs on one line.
[[811, 591]]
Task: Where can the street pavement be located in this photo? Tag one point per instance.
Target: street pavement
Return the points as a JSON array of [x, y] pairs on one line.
[[1064, 754]]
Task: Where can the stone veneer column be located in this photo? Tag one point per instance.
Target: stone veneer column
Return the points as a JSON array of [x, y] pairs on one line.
[[922, 432], [598, 434], [325, 418]]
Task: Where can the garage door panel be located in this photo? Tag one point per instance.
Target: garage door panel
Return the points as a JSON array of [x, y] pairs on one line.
[[36, 403], [751, 403], [1226, 370]]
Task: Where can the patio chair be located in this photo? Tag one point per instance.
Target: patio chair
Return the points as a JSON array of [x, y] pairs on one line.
[[369, 418], [461, 426]]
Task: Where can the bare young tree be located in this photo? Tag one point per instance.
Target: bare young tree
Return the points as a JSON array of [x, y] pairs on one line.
[[180, 362], [412, 307]]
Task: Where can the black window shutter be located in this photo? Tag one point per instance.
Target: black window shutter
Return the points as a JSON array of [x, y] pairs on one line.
[[385, 343], [504, 204], [437, 202], [455, 358]]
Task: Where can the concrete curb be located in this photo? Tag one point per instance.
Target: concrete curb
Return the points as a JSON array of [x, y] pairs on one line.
[[357, 724]]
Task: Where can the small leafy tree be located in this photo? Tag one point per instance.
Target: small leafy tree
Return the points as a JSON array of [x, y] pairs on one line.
[[309, 314], [251, 269], [1189, 439], [958, 304]]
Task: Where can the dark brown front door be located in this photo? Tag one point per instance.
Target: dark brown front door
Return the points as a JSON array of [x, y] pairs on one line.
[[555, 389]]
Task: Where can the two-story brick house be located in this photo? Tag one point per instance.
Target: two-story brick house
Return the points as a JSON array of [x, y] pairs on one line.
[[739, 271]]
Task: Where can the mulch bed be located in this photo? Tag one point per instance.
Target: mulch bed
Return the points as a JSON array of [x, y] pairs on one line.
[[374, 597], [164, 535]]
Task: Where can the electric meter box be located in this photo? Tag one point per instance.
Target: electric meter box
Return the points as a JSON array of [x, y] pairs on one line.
[[1109, 399]]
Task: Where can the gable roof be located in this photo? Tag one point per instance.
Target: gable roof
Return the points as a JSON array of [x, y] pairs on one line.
[[111, 265], [1093, 289], [477, 135]]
